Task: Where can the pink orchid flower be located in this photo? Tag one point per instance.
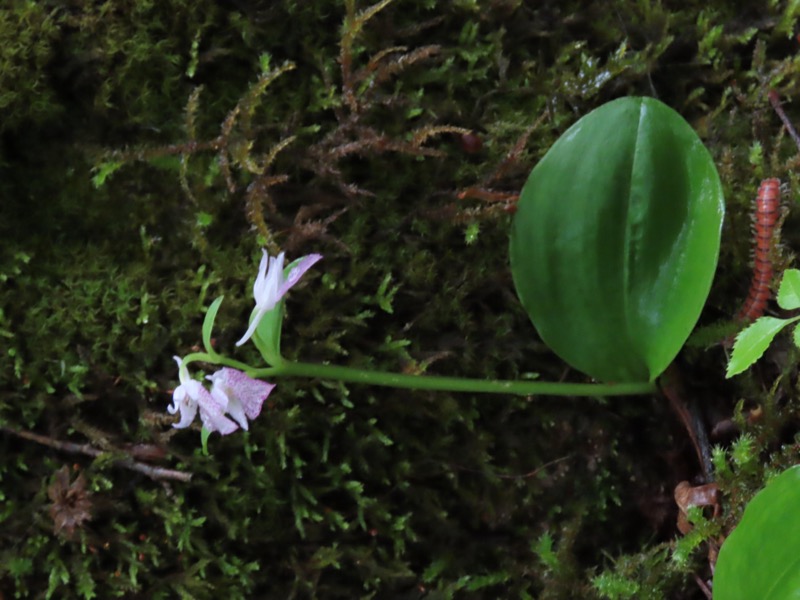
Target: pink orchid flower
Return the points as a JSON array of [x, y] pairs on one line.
[[190, 396], [271, 285], [232, 392], [241, 395]]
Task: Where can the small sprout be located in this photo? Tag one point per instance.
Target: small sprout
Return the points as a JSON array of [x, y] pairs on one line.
[[756, 155], [471, 233], [103, 172]]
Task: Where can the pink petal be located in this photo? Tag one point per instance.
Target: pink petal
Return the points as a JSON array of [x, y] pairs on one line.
[[212, 414], [297, 272], [250, 392]]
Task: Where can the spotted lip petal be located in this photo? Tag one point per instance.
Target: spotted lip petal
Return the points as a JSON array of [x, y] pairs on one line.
[[241, 395], [212, 414]]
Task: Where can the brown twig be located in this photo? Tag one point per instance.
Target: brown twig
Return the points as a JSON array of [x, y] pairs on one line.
[[775, 100], [703, 586], [527, 475], [156, 473], [688, 413]]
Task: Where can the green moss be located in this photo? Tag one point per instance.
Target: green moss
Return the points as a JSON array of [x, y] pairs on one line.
[[348, 491], [30, 31]]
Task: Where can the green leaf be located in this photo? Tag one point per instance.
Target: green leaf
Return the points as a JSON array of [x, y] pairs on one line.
[[616, 239], [761, 558], [753, 341], [264, 61], [615, 586], [208, 325], [386, 294], [543, 548], [267, 337], [789, 292], [103, 172], [204, 435], [204, 219]]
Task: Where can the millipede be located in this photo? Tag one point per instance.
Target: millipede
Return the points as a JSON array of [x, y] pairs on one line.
[[766, 219]]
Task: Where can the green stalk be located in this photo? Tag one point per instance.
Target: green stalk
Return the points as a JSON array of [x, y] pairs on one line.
[[453, 384]]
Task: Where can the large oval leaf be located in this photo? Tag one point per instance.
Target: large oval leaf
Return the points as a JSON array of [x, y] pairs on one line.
[[616, 239], [761, 558]]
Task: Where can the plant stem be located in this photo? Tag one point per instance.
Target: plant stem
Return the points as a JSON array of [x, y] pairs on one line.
[[127, 461], [218, 359], [454, 384]]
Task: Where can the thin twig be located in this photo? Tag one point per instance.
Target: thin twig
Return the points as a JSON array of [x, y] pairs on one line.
[[689, 414], [775, 100], [703, 587], [527, 475], [89, 450]]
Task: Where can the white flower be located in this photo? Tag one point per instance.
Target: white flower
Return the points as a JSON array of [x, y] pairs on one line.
[[190, 396], [271, 285], [242, 396]]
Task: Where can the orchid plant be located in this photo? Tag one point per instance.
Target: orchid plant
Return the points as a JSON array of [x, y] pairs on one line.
[[232, 390], [614, 280], [238, 390]]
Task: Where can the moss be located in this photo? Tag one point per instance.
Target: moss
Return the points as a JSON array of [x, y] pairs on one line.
[[30, 31], [348, 491]]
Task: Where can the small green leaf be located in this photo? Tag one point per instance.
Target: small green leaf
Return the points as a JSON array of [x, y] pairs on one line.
[[386, 294], [471, 233], [204, 435], [208, 324], [103, 172], [267, 337], [264, 61], [753, 341], [204, 219], [756, 155], [761, 558], [194, 56], [789, 292], [615, 587], [543, 548]]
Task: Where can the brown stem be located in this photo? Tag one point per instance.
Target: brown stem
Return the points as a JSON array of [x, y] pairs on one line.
[[775, 100], [89, 450], [689, 415]]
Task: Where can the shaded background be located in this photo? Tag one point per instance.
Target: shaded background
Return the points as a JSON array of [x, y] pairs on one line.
[[139, 181]]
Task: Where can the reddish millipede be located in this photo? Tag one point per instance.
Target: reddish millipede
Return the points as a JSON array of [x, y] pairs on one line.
[[767, 212]]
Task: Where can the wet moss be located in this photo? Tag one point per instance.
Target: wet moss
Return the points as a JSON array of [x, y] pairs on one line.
[[348, 491]]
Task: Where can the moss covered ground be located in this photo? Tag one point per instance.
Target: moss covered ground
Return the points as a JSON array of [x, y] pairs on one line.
[[150, 148]]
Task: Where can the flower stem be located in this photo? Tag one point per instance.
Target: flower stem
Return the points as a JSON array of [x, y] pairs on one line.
[[218, 359], [454, 384]]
